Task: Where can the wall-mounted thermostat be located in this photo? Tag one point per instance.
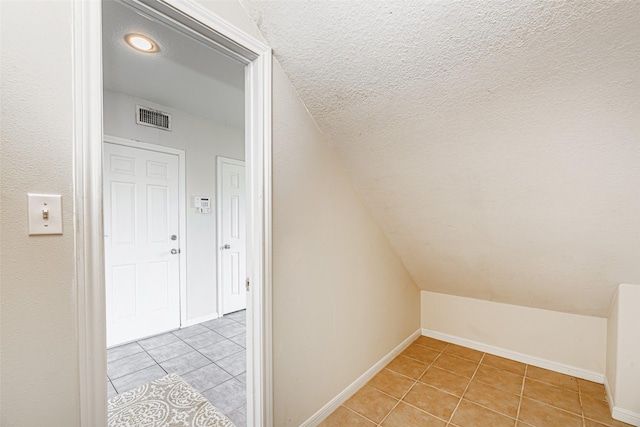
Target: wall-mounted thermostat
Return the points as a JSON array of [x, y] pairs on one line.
[[202, 204]]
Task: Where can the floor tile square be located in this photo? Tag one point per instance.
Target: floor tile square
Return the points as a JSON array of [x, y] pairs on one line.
[[371, 403], [454, 364], [493, 398], [561, 398], [463, 352], [239, 417], [158, 340], [204, 340], [469, 414], [613, 423], [553, 378], [431, 343], [591, 389], [423, 354], [131, 381], [408, 367], [540, 415], [227, 396], [169, 351], [110, 390], [234, 364], [343, 417], [231, 330], [500, 379], [220, 350], [404, 416], [435, 402], [207, 377], [237, 315], [392, 383], [241, 339], [598, 410], [190, 331], [445, 380], [129, 364], [504, 364], [186, 363], [123, 351], [218, 323]]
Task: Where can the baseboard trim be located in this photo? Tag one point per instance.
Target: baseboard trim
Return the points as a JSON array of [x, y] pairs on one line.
[[620, 414], [345, 394], [519, 357], [191, 322]]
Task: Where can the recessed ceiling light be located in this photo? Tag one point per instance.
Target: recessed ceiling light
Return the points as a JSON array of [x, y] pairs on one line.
[[141, 43]]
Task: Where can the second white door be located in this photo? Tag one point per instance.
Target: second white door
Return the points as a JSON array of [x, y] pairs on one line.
[[232, 234]]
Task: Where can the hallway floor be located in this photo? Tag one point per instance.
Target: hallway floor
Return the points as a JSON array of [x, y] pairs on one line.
[[210, 356], [433, 383]]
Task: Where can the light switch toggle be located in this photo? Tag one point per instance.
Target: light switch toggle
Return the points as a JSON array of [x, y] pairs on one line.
[[45, 213]]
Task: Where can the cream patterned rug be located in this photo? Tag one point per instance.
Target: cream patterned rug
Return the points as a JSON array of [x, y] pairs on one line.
[[166, 402]]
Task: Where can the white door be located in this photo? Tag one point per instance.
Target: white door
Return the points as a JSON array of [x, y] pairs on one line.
[[141, 223], [231, 215]]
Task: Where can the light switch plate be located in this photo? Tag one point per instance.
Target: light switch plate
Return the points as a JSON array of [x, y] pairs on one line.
[[45, 214]]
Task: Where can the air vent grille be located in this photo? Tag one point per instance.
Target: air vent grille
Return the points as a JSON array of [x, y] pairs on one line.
[[154, 118]]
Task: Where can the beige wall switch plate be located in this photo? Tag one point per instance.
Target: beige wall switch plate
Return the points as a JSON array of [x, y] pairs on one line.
[[45, 214]]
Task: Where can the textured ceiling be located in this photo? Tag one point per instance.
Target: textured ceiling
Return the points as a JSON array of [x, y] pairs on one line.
[[184, 74], [496, 142]]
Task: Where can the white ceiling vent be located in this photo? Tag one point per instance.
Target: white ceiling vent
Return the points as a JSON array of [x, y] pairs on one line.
[[154, 118]]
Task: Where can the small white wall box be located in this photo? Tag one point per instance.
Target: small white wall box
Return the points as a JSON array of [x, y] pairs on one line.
[[203, 204], [45, 213]]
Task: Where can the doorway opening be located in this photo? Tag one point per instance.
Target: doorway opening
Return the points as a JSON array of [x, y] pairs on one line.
[[161, 197]]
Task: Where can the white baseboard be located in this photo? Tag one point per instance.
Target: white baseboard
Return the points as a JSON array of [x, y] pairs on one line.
[[519, 357], [191, 322], [345, 394], [620, 414]]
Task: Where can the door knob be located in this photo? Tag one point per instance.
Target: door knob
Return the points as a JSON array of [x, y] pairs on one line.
[[175, 251], [227, 246]]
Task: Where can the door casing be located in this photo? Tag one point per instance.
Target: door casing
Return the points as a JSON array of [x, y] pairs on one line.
[[202, 24]]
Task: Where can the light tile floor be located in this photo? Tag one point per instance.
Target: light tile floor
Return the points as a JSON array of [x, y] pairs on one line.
[[210, 356], [433, 383]]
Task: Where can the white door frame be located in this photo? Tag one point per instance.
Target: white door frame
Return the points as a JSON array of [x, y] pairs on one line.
[[87, 105], [219, 161], [182, 208]]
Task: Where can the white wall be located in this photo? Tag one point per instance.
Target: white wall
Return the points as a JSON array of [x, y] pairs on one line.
[[202, 140], [569, 341], [623, 354], [38, 338]]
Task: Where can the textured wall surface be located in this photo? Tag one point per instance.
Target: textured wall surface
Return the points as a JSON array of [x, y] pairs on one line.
[[38, 352], [497, 143]]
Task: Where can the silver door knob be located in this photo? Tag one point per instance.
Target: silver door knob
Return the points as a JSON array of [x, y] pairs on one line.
[[227, 246], [175, 251]]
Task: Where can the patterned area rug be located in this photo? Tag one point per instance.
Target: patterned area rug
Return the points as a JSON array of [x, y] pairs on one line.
[[166, 402]]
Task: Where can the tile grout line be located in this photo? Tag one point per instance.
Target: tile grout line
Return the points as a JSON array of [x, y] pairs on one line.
[[465, 389], [584, 422], [524, 379], [412, 385]]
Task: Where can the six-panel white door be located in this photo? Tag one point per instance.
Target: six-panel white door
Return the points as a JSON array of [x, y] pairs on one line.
[[233, 257], [141, 223]]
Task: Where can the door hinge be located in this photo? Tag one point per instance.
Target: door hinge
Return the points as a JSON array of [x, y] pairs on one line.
[[248, 283]]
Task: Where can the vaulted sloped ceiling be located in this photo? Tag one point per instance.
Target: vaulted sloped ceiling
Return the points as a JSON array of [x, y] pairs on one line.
[[496, 142]]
